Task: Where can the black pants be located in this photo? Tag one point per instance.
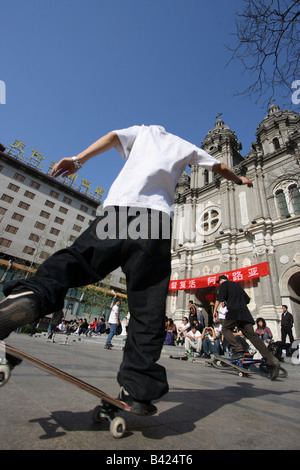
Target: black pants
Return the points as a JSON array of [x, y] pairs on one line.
[[248, 331], [145, 261], [286, 331]]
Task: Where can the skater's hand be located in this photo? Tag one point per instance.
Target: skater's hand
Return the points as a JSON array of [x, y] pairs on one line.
[[64, 167], [246, 181]]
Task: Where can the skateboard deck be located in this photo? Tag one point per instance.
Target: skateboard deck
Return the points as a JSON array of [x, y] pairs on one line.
[[108, 407], [219, 360], [180, 358]]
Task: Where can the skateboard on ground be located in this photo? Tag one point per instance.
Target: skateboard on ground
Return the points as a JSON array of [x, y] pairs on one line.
[[221, 362], [109, 406], [180, 358]]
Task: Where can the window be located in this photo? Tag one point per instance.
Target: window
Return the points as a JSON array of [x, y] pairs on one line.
[[13, 187], [287, 199], [34, 237], [49, 204], [29, 194], [77, 228], [54, 231], [28, 250], [63, 210], [3, 211], [80, 218], [83, 208], [24, 205], [18, 217], [11, 229], [282, 204], [295, 198], [45, 214], [206, 180], [67, 200], [50, 243], [276, 143], [19, 177], [4, 242], [39, 225], [58, 220], [54, 194], [35, 185], [7, 198], [210, 221]]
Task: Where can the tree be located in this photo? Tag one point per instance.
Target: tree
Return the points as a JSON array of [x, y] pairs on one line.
[[267, 43]]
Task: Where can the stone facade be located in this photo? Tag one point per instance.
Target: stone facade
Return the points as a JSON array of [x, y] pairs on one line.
[[219, 226]]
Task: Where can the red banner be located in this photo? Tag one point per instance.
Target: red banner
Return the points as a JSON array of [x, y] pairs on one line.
[[243, 274]]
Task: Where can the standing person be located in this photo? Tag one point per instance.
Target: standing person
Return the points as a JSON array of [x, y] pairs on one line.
[[287, 321], [54, 322], [239, 315], [201, 318], [143, 192], [113, 321], [193, 312]]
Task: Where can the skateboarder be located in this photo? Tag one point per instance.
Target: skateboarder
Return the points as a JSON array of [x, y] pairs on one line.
[[141, 196], [239, 315]]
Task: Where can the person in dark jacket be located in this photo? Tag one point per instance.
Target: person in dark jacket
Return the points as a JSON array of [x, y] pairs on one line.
[[287, 322], [238, 315]]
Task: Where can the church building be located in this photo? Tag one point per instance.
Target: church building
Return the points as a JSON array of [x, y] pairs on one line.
[[250, 234]]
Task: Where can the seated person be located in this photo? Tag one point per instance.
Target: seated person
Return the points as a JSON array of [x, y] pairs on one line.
[[262, 330], [210, 341], [182, 330], [171, 332], [193, 341]]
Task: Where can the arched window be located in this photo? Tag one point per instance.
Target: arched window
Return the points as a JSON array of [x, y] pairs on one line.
[[282, 204], [206, 181], [295, 198], [288, 199], [276, 143]]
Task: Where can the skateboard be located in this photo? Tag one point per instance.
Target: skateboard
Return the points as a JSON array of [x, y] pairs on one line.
[[180, 358], [220, 362], [108, 407]]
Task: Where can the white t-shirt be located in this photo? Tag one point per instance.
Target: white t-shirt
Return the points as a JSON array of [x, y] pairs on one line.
[[154, 163], [195, 335], [113, 315]]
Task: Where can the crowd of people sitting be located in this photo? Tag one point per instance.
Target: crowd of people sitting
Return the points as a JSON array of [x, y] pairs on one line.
[[200, 340], [79, 327]]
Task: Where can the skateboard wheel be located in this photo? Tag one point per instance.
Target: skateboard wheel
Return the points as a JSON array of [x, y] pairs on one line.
[[4, 374], [97, 414], [118, 427]]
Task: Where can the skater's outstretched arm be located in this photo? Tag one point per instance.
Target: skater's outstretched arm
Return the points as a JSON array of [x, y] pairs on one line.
[[223, 170], [66, 167]]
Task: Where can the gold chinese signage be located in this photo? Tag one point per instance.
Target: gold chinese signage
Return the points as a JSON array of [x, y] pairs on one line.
[[17, 151]]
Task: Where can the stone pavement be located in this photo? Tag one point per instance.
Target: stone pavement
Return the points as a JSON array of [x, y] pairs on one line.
[[206, 409]]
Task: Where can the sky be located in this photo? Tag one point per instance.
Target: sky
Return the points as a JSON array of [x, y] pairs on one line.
[[77, 69]]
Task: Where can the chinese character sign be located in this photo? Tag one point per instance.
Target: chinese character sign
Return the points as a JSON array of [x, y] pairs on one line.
[[243, 274], [17, 151]]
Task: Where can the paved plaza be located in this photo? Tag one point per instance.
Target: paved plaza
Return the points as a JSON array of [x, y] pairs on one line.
[[206, 409]]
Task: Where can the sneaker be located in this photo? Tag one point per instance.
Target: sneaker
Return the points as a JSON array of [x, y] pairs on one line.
[[236, 355], [274, 370], [107, 346], [17, 310], [206, 356], [139, 408]]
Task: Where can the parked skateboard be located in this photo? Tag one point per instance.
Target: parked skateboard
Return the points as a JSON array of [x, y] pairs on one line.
[[221, 362], [180, 358], [108, 407]]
